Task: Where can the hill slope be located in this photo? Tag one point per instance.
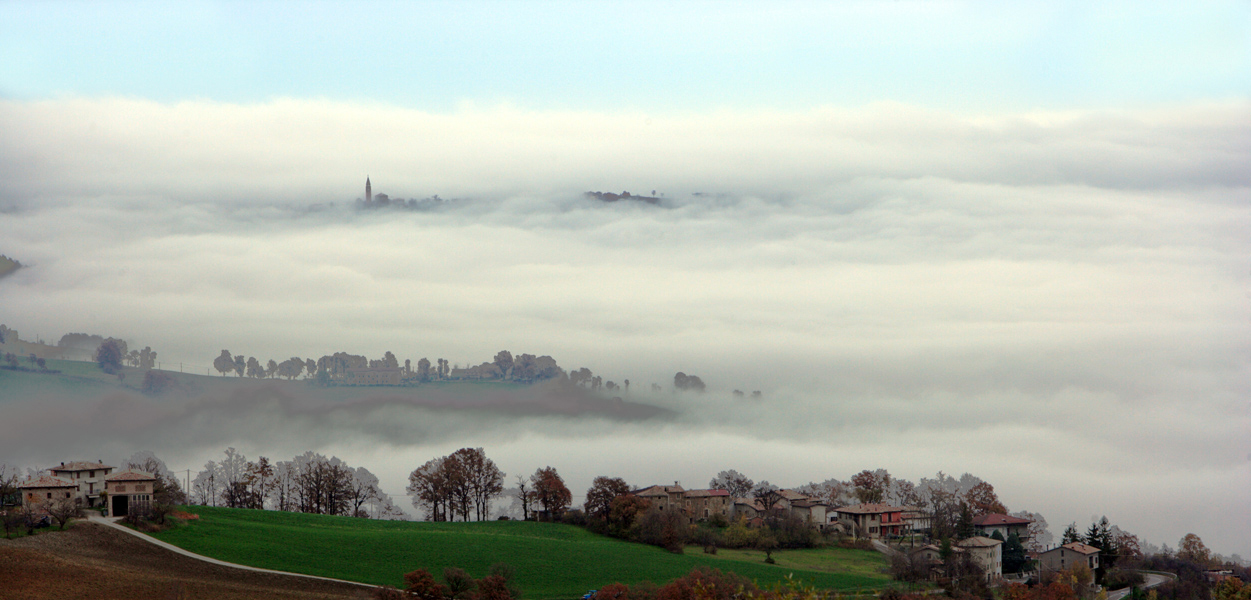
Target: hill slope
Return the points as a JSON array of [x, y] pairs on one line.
[[551, 561]]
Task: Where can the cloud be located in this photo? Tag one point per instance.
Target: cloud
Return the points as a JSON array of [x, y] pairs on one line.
[[1056, 302], [302, 149]]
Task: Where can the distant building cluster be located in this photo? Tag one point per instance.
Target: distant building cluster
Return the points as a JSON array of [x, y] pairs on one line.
[[380, 200]]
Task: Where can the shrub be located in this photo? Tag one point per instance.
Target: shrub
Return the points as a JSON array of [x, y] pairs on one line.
[[739, 535], [1120, 578]]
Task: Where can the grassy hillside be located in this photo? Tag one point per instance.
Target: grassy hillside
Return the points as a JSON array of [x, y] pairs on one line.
[[552, 561]]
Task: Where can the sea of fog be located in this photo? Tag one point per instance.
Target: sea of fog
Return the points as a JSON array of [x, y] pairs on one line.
[[1059, 304]]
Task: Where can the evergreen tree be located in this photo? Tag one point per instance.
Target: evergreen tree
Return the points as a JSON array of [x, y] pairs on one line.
[[964, 527], [1014, 559], [1092, 536], [1071, 535]]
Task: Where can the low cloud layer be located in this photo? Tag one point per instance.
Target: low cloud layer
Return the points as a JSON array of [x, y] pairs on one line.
[[1059, 303]]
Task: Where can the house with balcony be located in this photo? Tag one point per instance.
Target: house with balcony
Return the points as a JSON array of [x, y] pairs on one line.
[[87, 477], [874, 521]]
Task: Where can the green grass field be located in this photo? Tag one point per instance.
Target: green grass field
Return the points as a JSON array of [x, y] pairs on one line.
[[551, 561]]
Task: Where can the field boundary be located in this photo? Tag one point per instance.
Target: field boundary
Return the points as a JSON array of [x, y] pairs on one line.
[[166, 545]]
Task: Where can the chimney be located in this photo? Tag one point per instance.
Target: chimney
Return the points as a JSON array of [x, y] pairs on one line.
[[62, 463]]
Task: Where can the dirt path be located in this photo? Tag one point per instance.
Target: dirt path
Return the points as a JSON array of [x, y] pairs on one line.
[[175, 549], [90, 560]]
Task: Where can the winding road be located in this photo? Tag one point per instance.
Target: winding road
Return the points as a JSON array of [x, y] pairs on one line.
[[112, 522], [1152, 580]]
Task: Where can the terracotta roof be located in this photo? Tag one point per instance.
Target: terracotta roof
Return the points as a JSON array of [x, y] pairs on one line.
[[659, 490], [808, 503], [129, 475], [868, 509], [792, 495], [706, 493], [1078, 547], [998, 519], [45, 481], [81, 465], [979, 541]]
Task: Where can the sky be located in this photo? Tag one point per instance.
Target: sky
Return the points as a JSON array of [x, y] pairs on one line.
[[1004, 240]]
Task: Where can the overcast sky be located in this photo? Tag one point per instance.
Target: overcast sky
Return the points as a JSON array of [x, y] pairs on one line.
[[1011, 241]]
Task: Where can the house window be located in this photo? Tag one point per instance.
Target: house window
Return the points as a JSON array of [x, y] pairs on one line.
[[49, 495], [67, 494], [93, 474]]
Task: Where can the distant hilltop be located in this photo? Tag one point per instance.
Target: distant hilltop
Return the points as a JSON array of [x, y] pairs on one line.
[[611, 197], [8, 265], [375, 201]]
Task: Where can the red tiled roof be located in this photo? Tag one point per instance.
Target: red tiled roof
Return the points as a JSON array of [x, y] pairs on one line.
[[129, 475], [869, 509], [45, 481], [706, 493], [792, 495], [80, 465], [998, 519], [1080, 548], [658, 490]]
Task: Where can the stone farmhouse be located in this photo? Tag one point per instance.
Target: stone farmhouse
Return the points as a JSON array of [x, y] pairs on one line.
[[39, 492], [89, 485]]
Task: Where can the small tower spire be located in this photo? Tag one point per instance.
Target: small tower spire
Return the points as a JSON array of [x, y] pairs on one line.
[[369, 192]]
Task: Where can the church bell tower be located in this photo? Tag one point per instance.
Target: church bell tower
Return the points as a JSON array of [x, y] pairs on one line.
[[369, 191]]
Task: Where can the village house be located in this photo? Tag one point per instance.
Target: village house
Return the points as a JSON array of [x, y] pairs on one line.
[[986, 553], [128, 490], [40, 492], [987, 525], [812, 512], [702, 505], [1063, 557], [663, 497], [747, 509], [917, 519], [932, 557], [87, 477], [874, 521]]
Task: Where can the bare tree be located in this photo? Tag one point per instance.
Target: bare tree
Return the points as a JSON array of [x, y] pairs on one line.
[[63, 509], [525, 496], [734, 482], [362, 489]]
